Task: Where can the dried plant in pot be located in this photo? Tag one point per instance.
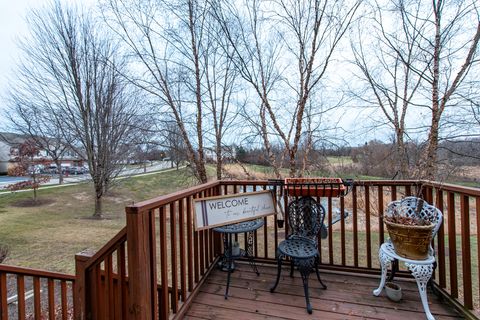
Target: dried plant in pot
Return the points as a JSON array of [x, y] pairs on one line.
[[409, 232]]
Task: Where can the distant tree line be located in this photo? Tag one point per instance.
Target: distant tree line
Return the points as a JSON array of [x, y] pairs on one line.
[[376, 158]]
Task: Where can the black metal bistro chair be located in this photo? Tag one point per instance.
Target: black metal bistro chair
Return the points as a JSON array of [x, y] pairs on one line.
[[305, 218]]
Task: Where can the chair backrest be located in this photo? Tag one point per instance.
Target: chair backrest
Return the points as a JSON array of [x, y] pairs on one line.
[[305, 217], [408, 207]]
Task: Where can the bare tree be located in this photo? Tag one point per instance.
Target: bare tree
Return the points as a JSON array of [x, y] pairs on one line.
[[78, 69], [181, 65], [420, 65], [267, 36], [387, 70], [453, 53], [174, 144], [36, 118]]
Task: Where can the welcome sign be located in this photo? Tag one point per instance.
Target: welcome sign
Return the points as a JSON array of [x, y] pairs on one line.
[[217, 211]]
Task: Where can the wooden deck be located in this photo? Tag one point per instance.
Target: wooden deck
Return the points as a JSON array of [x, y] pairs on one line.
[[347, 297]]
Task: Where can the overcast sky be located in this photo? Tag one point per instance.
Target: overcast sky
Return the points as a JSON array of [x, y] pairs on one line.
[[12, 26]]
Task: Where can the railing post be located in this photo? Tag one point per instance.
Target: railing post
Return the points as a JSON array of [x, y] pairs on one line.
[[80, 294], [141, 294]]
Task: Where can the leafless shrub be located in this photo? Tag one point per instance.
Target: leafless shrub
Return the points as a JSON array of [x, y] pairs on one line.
[[3, 253]]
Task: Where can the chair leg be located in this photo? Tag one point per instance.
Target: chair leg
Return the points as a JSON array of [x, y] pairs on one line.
[[422, 274], [279, 271], [385, 260], [305, 267], [324, 287], [292, 265]]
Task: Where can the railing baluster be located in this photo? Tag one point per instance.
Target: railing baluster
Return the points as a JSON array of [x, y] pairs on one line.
[[208, 239], [3, 297], [98, 293], [164, 306], [367, 227], [355, 225], [173, 261], [381, 230], [466, 254], [21, 296], [393, 194], [51, 299], [121, 261], [330, 231], [191, 257], [275, 223], [477, 206], [202, 252], [64, 299], [452, 247], [181, 226], [196, 253], [408, 190], [37, 307], [441, 242], [342, 229], [265, 232], [109, 287], [245, 239]]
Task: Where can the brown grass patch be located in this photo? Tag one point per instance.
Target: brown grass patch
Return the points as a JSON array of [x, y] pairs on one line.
[[27, 203]]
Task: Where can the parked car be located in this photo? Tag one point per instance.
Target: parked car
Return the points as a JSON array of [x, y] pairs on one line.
[[75, 170]]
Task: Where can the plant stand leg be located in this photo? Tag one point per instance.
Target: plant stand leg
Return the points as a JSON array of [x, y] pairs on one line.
[[422, 274], [385, 260]]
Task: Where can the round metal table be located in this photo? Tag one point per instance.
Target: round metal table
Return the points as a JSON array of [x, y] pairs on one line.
[[228, 256]]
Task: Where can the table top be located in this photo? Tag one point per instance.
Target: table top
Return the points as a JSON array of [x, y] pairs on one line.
[[240, 227]]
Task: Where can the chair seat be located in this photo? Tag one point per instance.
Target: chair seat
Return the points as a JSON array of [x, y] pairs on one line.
[[389, 250], [298, 248]]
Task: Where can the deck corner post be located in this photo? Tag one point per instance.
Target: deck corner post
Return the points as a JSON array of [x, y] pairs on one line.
[[141, 291], [80, 296]]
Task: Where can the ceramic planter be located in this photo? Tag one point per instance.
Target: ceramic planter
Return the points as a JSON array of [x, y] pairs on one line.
[[394, 292]]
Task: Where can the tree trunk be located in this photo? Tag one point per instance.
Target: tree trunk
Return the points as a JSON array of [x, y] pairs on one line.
[[34, 193], [429, 160], [98, 207], [59, 171], [219, 166], [402, 158]]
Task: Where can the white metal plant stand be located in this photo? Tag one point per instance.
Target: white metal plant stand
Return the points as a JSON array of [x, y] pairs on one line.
[[422, 270]]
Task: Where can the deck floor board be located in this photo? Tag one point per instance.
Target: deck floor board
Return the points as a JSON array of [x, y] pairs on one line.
[[347, 297]]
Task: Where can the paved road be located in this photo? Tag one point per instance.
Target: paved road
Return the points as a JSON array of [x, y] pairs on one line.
[[160, 165]]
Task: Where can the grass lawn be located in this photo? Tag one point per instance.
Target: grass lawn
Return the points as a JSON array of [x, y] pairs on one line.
[[48, 236]]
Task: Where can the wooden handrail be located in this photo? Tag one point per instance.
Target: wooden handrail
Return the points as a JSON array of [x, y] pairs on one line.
[[166, 199], [36, 273], [108, 248]]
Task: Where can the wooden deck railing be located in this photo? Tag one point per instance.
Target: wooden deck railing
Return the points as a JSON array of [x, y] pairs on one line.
[[101, 290], [35, 294], [153, 268]]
